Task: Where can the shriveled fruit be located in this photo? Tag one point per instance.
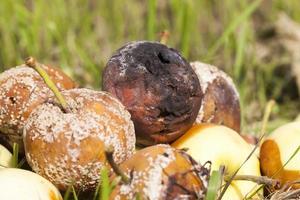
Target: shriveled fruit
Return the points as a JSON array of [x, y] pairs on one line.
[[157, 86]]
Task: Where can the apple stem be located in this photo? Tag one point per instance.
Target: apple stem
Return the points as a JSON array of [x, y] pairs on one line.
[[31, 62], [109, 156], [164, 36], [257, 179]]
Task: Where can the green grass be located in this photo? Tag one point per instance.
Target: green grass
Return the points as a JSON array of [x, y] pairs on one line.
[[214, 185], [80, 36]]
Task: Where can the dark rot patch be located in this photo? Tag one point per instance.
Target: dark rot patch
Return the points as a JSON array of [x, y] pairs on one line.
[[157, 86]]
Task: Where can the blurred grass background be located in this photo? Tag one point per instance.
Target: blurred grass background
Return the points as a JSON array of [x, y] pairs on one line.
[[80, 36]]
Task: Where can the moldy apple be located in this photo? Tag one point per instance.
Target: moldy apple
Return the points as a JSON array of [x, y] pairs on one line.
[[161, 172], [22, 90], [157, 86]]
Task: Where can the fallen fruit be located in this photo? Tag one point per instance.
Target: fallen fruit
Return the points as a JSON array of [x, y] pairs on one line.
[[157, 86], [16, 184], [279, 154], [67, 148], [21, 90], [220, 103], [222, 146], [161, 172]]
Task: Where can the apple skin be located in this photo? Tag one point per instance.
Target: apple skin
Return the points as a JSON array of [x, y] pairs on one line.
[[157, 86], [68, 147], [161, 172], [5, 157], [16, 184], [22, 89], [222, 146], [220, 103], [277, 149]]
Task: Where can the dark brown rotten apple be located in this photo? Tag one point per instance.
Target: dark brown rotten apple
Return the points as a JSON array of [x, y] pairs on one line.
[[157, 86], [21, 90], [163, 173], [220, 104], [67, 148]]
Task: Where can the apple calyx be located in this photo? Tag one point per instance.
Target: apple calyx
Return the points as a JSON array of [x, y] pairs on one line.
[[32, 63], [109, 156]]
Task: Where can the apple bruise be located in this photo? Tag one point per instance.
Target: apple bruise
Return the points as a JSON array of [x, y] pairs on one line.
[[157, 86]]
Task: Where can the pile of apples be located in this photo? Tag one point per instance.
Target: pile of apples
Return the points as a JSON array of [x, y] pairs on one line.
[[161, 126]]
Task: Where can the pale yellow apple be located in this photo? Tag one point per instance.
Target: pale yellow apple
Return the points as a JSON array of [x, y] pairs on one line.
[[19, 184], [222, 146], [278, 149], [5, 157]]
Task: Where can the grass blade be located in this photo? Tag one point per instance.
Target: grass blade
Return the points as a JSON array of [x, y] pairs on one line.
[[105, 186], [151, 19], [15, 159], [214, 184], [67, 193], [185, 28], [232, 26], [289, 160], [240, 52], [74, 193]]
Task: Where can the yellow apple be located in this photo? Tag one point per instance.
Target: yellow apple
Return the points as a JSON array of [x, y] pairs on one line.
[[5, 157], [222, 146], [277, 149], [16, 184]]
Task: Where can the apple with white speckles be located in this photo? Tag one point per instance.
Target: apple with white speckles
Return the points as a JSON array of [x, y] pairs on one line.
[[163, 173], [21, 90], [68, 148]]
